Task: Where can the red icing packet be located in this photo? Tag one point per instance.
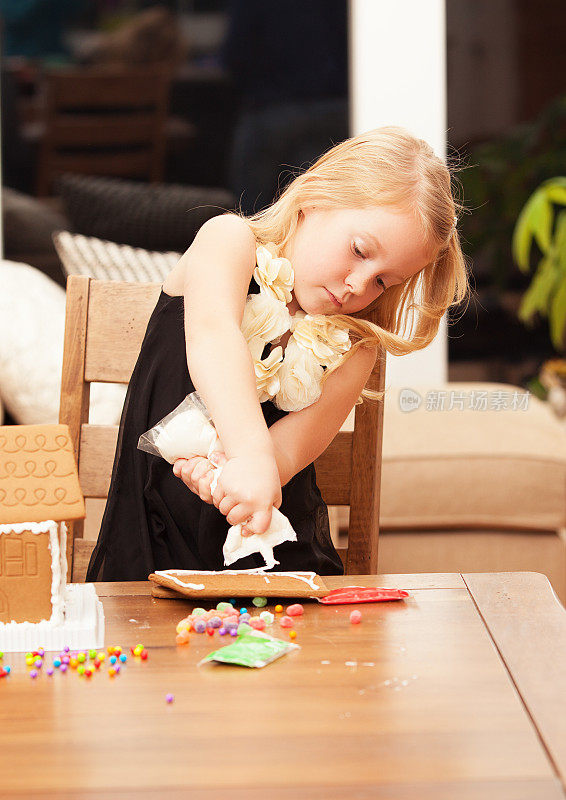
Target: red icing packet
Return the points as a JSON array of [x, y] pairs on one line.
[[362, 594]]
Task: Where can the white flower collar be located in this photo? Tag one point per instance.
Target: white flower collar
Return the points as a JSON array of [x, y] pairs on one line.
[[291, 379]]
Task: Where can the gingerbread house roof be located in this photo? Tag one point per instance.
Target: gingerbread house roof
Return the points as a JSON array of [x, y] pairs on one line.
[[38, 475]]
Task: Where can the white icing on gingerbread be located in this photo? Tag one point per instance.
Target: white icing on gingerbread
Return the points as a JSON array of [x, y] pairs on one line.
[[177, 574]]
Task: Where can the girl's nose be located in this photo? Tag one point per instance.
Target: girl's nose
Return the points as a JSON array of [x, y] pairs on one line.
[[356, 283]]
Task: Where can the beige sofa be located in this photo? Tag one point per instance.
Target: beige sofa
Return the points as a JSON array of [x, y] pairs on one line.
[[469, 489]]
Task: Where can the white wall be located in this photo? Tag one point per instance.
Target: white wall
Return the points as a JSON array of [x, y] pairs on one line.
[[398, 77]]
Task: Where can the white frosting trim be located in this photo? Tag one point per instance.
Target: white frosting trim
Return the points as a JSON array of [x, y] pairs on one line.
[[57, 548], [306, 577]]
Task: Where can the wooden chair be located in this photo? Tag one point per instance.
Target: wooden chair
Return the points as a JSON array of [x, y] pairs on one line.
[[103, 123], [104, 327]]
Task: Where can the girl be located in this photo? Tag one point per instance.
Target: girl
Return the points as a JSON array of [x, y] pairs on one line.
[[371, 226]]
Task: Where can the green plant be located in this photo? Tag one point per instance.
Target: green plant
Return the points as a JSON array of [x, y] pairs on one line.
[[538, 222], [500, 176]]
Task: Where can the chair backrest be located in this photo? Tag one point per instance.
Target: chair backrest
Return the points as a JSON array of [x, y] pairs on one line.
[[104, 327], [104, 123]]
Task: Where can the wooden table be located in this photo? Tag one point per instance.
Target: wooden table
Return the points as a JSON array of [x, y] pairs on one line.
[[458, 692]]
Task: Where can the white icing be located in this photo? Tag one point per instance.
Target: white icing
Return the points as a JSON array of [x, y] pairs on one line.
[[197, 586], [82, 627], [237, 546], [186, 434], [306, 577]]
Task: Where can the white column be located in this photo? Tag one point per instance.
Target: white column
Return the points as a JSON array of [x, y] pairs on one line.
[[398, 77]]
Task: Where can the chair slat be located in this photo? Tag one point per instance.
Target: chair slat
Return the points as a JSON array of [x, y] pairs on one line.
[[125, 89], [363, 528], [98, 444], [334, 470], [117, 319], [124, 164], [119, 129]]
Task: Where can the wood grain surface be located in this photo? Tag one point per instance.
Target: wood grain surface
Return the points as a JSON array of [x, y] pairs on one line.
[[415, 702]]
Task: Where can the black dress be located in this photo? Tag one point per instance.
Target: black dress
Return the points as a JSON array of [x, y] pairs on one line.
[[152, 520]]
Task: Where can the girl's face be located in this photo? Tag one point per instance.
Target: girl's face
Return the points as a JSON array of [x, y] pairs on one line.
[[345, 258]]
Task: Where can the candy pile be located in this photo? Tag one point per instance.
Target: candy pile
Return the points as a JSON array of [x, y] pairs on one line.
[[227, 620], [4, 670], [84, 662]]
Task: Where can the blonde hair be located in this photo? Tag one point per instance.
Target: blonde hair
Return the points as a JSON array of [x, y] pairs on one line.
[[383, 167]]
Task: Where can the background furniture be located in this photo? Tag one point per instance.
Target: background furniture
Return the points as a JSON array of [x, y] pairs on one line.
[[464, 489], [104, 123], [32, 325], [105, 318], [159, 216], [456, 693]]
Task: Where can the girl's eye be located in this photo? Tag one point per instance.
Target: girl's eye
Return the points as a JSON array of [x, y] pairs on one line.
[[379, 282], [357, 250]]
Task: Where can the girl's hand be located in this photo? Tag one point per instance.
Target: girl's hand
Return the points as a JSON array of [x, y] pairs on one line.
[[247, 490], [197, 474]]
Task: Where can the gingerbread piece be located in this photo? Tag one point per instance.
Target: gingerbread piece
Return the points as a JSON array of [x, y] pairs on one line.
[[239, 583], [39, 490]]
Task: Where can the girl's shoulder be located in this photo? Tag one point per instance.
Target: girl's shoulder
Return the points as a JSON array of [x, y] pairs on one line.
[[226, 238]]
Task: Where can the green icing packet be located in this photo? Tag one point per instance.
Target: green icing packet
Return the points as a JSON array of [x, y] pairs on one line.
[[251, 649]]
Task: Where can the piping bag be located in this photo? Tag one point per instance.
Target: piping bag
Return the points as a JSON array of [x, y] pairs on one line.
[[189, 431]]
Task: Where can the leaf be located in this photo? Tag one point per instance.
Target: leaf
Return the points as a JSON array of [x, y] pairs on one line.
[[557, 316], [541, 220], [556, 194], [537, 296], [522, 236], [559, 255]]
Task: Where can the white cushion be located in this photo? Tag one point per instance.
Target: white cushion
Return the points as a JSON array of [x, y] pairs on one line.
[[108, 261], [32, 325]]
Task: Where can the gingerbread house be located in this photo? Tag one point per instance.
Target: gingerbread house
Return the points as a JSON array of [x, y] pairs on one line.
[[39, 493]]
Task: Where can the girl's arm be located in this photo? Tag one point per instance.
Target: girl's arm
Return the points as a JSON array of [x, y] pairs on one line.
[[216, 271], [302, 436]]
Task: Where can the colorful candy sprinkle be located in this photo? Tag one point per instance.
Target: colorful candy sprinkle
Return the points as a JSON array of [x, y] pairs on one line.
[[278, 608], [143, 655], [292, 634], [33, 673], [113, 659], [355, 617], [81, 658], [56, 663], [296, 610], [259, 602], [123, 658], [286, 622], [169, 698], [267, 617]]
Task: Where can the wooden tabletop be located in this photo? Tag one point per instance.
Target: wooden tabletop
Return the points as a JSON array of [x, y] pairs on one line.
[[457, 692]]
